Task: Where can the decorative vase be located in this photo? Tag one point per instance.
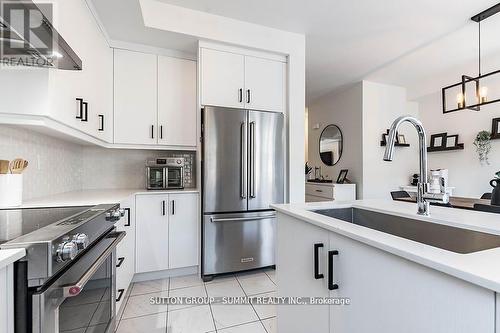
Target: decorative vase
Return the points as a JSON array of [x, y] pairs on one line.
[[495, 195]]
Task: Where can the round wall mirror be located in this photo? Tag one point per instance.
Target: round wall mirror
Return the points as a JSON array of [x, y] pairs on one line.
[[330, 145]]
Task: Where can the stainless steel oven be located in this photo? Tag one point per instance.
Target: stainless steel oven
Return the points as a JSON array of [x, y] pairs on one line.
[[66, 282], [83, 297], [165, 173]]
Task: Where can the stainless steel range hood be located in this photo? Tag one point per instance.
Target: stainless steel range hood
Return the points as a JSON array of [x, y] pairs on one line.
[[27, 38]]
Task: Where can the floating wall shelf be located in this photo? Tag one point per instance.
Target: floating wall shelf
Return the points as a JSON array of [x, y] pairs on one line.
[[383, 144], [460, 146]]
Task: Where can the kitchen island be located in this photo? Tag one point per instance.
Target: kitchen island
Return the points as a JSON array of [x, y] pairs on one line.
[[393, 284]]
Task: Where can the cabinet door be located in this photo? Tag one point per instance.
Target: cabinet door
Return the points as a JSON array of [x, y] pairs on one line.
[[135, 91], [93, 83], [296, 275], [183, 239], [264, 84], [151, 233], [125, 251], [222, 78], [176, 101], [388, 293]]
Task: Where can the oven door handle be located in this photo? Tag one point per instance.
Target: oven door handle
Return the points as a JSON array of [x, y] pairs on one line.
[[72, 290]]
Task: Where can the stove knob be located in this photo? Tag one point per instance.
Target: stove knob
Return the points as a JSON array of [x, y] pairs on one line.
[[122, 212], [116, 215], [81, 241], [66, 251], [108, 216]]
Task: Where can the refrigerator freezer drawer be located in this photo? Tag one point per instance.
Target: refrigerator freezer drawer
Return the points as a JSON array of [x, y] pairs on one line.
[[237, 242]]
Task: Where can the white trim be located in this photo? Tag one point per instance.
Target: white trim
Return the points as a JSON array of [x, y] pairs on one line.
[[243, 51], [165, 274], [49, 126], [116, 44]]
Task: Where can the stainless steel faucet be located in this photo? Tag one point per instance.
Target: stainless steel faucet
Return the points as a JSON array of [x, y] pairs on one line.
[[423, 196]]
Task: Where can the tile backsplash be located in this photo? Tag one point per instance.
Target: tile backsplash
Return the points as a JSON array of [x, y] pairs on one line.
[[54, 165], [57, 166]]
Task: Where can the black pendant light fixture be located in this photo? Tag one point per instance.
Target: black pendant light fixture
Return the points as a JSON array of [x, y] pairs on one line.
[[481, 91]]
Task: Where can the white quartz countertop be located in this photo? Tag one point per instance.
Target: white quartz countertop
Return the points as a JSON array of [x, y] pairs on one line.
[[7, 257], [92, 197], [480, 268]]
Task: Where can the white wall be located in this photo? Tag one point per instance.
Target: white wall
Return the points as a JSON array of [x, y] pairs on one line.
[[343, 109], [466, 173], [381, 105]]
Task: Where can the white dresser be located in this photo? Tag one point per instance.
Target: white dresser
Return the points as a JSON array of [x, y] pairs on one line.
[[330, 191]]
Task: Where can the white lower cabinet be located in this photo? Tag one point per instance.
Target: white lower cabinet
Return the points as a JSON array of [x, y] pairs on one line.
[[386, 293], [7, 299], [125, 251], [167, 231]]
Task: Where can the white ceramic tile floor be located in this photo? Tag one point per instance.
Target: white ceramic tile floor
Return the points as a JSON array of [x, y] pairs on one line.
[[140, 316]]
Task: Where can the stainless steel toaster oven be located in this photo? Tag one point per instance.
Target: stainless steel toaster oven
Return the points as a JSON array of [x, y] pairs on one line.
[[165, 173]]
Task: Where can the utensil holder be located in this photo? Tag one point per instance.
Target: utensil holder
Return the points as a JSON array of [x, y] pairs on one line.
[[11, 190]]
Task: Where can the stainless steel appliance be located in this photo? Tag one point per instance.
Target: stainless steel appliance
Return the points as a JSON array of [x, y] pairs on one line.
[[66, 281], [165, 173], [243, 173], [20, 46]]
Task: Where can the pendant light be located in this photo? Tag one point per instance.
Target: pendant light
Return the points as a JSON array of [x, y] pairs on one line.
[[481, 91]]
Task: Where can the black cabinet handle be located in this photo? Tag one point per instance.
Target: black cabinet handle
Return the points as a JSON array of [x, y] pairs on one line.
[[173, 207], [317, 274], [241, 95], [128, 217], [331, 284], [152, 131], [163, 208], [161, 131], [101, 126], [79, 115], [120, 294], [86, 111], [248, 95], [120, 261]]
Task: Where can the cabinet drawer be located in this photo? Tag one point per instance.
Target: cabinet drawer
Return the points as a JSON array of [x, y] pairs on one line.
[[320, 191]]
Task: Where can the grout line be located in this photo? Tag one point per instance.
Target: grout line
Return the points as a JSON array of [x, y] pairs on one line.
[[168, 295], [210, 306]]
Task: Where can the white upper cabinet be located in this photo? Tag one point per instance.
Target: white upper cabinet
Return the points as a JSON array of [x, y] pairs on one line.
[[93, 84], [135, 97], [176, 101], [264, 84], [222, 78], [242, 81]]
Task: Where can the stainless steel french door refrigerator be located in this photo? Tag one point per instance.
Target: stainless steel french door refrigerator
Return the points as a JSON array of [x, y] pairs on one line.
[[243, 173]]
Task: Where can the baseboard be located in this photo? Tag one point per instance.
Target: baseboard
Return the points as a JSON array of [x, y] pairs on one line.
[[165, 274]]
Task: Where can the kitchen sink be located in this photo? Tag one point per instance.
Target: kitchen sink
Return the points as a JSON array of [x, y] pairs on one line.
[[442, 236]]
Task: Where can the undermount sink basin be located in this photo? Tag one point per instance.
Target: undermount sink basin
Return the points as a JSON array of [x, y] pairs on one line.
[[320, 181], [442, 236]]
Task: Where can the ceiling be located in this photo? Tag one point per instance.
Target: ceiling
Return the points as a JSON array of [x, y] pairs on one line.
[[393, 41]]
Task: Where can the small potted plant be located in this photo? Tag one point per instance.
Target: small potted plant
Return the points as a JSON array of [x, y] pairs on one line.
[[483, 146]]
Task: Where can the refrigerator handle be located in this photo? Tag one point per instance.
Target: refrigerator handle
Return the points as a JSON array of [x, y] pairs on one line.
[[252, 159], [243, 136]]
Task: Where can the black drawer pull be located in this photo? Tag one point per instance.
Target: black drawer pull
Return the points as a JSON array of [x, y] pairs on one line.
[[128, 217], [317, 274], [152, 131], [85, 112], [173, 207], [163, 208], [240, 95], [101, 126], [80, 108], [248, 95], [120, 261], [120, 294], [319, 190], [331, 284]]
